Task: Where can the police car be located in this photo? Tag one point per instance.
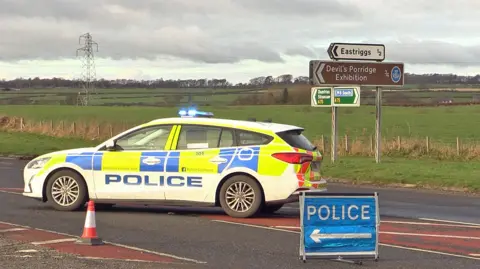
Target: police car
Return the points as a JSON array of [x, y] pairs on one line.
[[243, 166]]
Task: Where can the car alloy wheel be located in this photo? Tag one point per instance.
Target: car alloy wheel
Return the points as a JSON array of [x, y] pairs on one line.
[[240, 196], [65, 191]]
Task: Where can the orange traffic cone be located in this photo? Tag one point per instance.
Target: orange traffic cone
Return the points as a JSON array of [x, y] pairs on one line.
[[89, 236]]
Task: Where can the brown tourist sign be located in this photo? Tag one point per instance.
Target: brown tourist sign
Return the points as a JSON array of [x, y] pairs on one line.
[[356, 73]]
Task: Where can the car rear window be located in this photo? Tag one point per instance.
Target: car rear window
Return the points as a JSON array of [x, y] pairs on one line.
[[296, 139]]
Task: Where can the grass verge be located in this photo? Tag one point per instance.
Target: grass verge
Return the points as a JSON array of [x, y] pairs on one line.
[[420, 173], [28, 144]]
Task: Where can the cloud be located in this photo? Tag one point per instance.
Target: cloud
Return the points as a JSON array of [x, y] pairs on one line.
[[235, 31], [433, 52]]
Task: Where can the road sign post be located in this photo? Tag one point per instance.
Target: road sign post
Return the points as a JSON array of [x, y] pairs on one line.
[[378, 124], [333, 154], [339, 225]]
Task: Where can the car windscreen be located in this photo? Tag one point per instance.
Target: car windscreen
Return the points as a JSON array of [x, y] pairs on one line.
[[296, 139]]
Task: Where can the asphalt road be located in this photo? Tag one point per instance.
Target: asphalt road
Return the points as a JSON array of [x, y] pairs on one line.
[[188, 233]]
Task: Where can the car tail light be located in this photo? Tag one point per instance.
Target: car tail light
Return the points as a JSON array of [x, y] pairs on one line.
[[293, 157]]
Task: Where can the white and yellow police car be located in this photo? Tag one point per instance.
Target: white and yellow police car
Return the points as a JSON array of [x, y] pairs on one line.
[[245, 167]]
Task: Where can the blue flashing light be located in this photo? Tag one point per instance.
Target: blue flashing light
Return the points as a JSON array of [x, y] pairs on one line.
[[192, 112]]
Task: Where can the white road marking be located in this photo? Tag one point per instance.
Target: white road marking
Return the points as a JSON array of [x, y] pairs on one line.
[[434, 235], [475, 254], [11, 192], [13, 224], [404, 222], [54, 241], [287, 227], [12, 230], [430, 224], [398, 233], [256, 226], [8, 158], [451, 221], [118, 245], [123, 260], [27, 251], [59, 233], [381, 244], [429, 251], [157, 253]]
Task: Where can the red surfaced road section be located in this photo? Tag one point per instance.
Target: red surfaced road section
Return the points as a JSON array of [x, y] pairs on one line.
[[106, 251], [434, 236]]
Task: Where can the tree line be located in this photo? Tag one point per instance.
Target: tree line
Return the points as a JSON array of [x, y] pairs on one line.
[[260, 82]]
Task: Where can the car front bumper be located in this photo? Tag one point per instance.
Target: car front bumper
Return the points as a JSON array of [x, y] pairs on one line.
[[33, 185]]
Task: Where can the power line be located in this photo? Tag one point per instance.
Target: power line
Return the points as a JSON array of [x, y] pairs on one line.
[[88, 68]]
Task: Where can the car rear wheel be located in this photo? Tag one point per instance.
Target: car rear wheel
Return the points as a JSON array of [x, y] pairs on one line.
[[66, 191], [241, 197]]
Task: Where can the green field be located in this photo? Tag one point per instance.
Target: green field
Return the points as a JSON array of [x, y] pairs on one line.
[[209, 96], [439, 123], [146, 97]]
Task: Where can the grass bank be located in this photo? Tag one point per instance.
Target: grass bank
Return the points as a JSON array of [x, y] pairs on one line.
[[424, 172]]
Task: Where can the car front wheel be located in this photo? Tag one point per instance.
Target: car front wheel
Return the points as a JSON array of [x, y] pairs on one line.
[[241, 197], [66, 191]]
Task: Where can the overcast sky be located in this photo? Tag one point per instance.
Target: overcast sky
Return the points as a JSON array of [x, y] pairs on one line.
[[233, 39]]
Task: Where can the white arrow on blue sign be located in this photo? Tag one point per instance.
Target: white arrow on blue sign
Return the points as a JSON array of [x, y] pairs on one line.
[[317, 236]]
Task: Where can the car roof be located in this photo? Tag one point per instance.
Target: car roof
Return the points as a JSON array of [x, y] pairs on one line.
[[266, 126]]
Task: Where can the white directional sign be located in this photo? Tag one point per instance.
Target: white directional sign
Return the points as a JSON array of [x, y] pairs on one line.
[[356, 51]]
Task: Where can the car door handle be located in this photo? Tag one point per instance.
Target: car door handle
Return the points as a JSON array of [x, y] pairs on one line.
[[218, 160]]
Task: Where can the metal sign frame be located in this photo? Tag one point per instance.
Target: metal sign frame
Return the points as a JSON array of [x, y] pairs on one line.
[[357, 257]]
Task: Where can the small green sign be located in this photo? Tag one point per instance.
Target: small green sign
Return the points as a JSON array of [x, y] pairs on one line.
[[321, 97], [346, 96]]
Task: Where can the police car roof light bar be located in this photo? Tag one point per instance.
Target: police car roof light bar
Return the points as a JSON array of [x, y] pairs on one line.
[[193, 113]]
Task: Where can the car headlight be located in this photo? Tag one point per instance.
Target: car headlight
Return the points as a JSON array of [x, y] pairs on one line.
[[38, 163]]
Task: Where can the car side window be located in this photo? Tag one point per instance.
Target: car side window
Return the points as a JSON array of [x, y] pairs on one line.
[[150, 138], [198, 137], [246, 138], [227, 139]]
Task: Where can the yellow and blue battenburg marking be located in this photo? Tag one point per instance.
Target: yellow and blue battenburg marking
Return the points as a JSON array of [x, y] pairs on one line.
[[239, 157], [160, 161], [84, 160]]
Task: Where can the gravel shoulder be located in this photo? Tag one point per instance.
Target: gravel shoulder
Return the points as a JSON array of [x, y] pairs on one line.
[[16, 255]]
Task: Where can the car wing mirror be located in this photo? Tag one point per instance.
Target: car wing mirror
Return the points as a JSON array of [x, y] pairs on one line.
[[110, 145]]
